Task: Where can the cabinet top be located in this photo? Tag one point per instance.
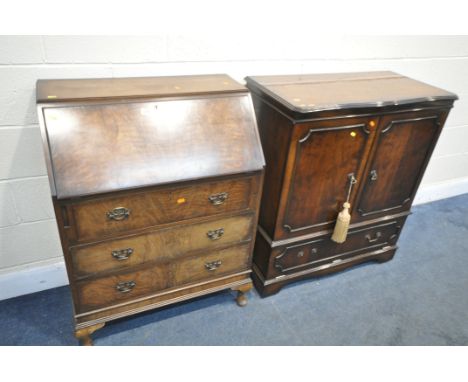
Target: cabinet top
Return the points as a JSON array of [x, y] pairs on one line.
[[134, 87], [96, 145], [305, 93]]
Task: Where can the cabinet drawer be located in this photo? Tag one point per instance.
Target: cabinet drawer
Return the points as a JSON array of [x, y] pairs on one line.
[[122, 287], [323, 250], [163, 245], [212, 265], [107, 217]]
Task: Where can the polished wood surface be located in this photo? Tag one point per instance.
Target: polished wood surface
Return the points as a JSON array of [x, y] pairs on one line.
[[318, 179], [408, 139], [105, 291], [322, 250], [134, 87], [381, 127], [156, 190], [136, 144], [161, 245], [153, 208], [313, 92]]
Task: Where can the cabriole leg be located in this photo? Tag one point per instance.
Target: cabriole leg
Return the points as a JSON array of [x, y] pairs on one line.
[[84, 334]]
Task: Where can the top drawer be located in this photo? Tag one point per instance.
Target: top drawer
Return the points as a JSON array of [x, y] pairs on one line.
[[107, 217]]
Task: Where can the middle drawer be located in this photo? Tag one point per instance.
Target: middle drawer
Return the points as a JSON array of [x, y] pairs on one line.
[[161, 245]]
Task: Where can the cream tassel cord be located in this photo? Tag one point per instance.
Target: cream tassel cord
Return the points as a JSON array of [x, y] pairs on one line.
[[342, 224], [344, 218]]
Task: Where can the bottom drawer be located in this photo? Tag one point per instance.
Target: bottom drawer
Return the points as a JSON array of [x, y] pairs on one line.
[[111, 290], [323, 250]]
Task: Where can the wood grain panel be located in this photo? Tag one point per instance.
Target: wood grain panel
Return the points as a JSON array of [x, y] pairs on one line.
[[104, 88], [157, 207], [127, 145], [402, 150], [103, 291], [324, 157], [323, 250], [197, 268], [163, 245]]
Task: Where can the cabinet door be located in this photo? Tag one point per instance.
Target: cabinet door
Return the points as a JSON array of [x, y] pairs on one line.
[[404, 143], [321, 158]]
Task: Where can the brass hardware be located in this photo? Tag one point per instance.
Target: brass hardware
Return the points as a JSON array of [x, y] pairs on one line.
[[213, 265], [215, 234], [118, 213], [122, 254], [217, 199], [353, 134], [373, 175], [372, 124], [181, 200], [125, 286], [378, 235]]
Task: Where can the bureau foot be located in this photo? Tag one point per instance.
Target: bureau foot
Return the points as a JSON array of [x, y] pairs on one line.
[[84, 335], [241, 298], [386, 256]]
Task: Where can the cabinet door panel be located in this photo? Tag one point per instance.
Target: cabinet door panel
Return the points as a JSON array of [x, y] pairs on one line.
[[403, 146], [321, 159]]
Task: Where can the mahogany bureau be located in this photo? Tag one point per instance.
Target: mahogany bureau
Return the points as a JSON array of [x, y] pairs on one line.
[[156, 184], [367, 134]]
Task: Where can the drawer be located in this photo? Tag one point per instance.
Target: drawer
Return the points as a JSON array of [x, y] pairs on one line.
[[114, 215], [114, 289], [323, 250], [210, 266], [162, 245]]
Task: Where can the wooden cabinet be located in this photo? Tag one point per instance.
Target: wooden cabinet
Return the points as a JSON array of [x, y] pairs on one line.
[[320, 131], [156, 184]]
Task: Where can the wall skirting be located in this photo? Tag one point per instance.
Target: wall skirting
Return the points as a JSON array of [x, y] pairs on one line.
[[33, 279], [442, 190]]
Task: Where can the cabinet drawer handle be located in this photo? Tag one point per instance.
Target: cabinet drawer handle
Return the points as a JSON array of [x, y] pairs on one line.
[[378, 235], [118, 213], [213, 265], [373, 175], [125, 286], [217, 199], [215, 234], [122, 254]]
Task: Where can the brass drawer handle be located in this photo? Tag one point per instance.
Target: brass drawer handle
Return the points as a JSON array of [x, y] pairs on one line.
[[217, 199], [378, 235], [373, 175], [125, 286], [213, 265], [215, 234], [118, 213], [122, 254]]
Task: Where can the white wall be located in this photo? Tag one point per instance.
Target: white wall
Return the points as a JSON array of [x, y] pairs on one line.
[[28, 234]]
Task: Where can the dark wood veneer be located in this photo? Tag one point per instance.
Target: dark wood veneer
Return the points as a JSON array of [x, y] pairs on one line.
[[380, 126]]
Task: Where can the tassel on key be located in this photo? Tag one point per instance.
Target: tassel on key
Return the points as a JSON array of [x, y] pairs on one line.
[[344, 218], [342, 224]]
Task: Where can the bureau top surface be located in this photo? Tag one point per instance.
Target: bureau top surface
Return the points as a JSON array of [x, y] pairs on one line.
[[95, 147], [306, 93], [134, 87]]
